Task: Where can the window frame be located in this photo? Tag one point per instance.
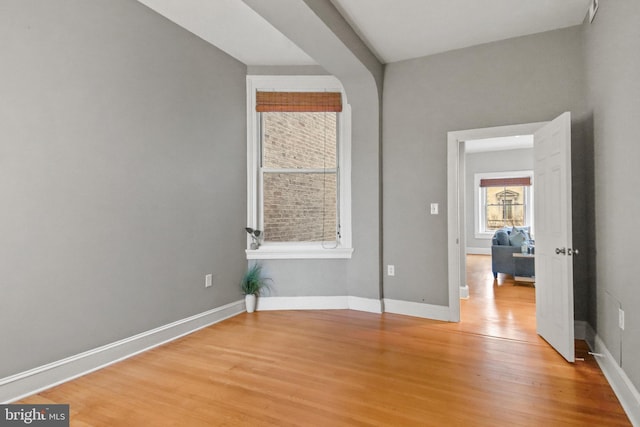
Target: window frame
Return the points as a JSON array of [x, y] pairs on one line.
[[479, 201], [297, 250]]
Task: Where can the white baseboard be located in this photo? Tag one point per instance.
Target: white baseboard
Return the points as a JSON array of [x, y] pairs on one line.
[[319, 303], [366, 304], [408, 308], [478, 251], [303, 303], [427, 311], [41, 378], [416, 309], [622, 386]]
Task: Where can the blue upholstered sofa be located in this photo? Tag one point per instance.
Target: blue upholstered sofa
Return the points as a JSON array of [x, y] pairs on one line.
[[507, 241]]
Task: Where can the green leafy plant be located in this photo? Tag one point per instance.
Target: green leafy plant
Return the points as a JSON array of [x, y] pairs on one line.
[[252, 282]]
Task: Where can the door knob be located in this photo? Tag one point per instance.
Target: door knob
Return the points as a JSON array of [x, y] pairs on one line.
[[560, 251], [573, 252]]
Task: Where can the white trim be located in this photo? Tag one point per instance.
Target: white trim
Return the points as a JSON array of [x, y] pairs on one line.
[[454, 223], [320, 303], [303, 303], [294, 250], [464, 292], [29, 382], [453, 226], [269, 251], [416, 309], [483, 235], [622, 386], [427, 311], [369, 305], [478, 251]]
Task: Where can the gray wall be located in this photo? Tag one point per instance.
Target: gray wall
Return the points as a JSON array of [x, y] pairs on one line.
[[612, 46], [492, 161], [521, 80], [122, 176]]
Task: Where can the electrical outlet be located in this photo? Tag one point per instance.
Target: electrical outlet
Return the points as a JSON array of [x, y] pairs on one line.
[[621, 318], [391, 270], [208, 280], [434, 209]]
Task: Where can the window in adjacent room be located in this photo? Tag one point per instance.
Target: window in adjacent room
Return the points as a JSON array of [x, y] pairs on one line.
[[503, 199], [298, 167]]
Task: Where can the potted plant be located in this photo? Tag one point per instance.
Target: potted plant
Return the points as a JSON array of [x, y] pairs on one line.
[[252, 285]]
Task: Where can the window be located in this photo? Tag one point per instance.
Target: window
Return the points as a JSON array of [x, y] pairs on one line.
[[503, 199], [298, 167], [299, 176]]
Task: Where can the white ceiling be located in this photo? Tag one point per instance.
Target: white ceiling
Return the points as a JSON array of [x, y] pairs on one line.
[[233, 27], [498, 144], [394, 30]]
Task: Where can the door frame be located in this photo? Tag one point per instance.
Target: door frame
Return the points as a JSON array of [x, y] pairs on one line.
[[456, 229]]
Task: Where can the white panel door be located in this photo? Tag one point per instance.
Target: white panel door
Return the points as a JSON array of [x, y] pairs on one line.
[[552, 216]]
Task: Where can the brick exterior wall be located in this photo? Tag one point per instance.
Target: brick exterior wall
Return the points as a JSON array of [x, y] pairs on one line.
[[299, 206], [495, 212]]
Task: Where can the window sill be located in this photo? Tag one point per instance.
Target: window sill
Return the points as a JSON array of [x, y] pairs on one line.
[[485, 235], [298, 252]]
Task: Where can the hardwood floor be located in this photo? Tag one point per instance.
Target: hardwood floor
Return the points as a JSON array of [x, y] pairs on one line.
[[501, 308], [347, 368]]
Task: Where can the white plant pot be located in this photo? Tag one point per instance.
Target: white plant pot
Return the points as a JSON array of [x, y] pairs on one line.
[[250, 303]]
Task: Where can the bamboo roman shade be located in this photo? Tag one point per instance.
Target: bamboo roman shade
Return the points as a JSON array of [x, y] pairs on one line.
[[298, 102], [505, 182]]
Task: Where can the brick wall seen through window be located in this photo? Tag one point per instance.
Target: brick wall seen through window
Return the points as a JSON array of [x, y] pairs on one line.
[[299, 176]]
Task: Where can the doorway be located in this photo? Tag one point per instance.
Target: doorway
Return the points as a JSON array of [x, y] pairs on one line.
[[497, 193], [456, 206], [554, 244]]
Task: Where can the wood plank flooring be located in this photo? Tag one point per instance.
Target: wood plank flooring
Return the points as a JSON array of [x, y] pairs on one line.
[[349, 368]]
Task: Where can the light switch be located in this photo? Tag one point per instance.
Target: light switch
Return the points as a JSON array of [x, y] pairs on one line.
[[434, 209]]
